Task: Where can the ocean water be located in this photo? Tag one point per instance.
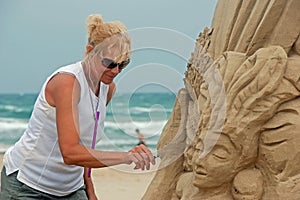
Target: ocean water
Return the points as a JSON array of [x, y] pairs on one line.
[[147, 111]]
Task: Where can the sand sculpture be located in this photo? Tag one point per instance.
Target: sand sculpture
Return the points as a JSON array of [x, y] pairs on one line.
[[234, 132]]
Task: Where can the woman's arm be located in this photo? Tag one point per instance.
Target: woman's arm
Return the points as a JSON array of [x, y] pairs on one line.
[[63, 92], [90, 191]]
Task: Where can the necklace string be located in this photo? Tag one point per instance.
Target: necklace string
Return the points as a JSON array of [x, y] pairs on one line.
[[96, 114]]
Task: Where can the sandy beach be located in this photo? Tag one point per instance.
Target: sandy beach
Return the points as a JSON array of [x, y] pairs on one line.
[[120, 182]]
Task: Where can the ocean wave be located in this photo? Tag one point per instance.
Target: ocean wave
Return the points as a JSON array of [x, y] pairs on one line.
[[149, 128], [115, 144], [149, 110], [122, 108], [121, 142], [17, 109], [12, 123]]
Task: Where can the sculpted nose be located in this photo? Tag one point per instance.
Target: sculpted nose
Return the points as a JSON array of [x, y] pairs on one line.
[[197, 159]]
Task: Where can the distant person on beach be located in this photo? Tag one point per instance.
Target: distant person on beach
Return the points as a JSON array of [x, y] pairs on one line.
[[52, 159], [140, 137]]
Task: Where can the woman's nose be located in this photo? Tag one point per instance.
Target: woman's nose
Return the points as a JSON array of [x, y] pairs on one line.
[[115, 70]]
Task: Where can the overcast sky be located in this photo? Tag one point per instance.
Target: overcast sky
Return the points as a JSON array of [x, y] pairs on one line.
[[38, 36]]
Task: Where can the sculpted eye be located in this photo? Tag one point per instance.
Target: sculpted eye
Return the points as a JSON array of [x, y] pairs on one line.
[[272, 136], [220, 153], [219, 156]]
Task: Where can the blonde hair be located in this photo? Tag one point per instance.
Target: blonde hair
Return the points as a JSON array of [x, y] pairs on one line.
[[104, 36]]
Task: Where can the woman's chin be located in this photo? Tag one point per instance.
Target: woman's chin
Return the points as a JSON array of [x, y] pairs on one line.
[[107, 81]]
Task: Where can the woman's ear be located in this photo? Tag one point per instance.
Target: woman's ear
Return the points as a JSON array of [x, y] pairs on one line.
[[89, 48]]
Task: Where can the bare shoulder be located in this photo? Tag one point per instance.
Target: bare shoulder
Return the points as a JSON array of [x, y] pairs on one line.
[[62, 85]]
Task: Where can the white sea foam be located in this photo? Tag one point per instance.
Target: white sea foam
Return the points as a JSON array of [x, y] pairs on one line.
[[148, 110], [148, 128], [12, 123], [15, 108]]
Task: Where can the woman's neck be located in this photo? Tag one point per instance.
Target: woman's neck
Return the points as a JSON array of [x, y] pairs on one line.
[[91, 77]]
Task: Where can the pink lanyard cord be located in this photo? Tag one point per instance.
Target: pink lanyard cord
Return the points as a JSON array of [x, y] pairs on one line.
[[94, 138]]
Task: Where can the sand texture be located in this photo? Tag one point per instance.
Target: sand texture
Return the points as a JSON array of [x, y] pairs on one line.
[[234, 130]]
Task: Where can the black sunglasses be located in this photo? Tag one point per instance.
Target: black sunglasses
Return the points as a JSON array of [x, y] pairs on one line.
[[110, 64]]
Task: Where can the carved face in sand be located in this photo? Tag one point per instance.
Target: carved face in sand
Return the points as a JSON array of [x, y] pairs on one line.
[[279, 144], [216, 167]]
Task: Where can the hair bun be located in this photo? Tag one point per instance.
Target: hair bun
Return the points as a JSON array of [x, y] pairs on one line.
[[98, 30], [93, 21]]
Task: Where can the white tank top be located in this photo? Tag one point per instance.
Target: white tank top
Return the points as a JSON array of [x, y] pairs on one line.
[[37, 156]]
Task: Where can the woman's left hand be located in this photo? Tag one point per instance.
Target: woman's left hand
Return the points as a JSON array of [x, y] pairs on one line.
[[92, 196], [89, 186], [90, 192], [146, 156]]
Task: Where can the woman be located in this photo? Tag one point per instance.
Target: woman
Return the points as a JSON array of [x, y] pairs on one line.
[[50, 160], [140, 137]]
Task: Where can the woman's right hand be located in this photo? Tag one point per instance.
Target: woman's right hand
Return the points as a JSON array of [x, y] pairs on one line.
[[141, 156]]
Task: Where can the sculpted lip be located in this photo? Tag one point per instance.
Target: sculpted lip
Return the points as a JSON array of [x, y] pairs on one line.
[[200, 171]]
